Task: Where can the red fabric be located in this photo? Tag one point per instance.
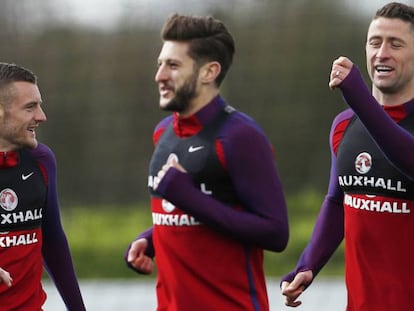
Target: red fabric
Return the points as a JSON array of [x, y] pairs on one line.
[[397, 113], [23, 260], [337, 136], [8, 159]]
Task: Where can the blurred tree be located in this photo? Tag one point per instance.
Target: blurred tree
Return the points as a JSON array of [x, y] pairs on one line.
[[102, 102]]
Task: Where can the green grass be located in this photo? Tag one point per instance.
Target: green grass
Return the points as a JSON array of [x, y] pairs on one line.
[[99, 236]]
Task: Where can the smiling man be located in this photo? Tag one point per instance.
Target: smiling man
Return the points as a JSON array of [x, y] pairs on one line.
[[370, 200], [217, 201], [31, 234]]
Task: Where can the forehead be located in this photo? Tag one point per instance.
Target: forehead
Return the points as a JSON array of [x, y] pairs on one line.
[[23, 92], [390, 28], [175, 50]]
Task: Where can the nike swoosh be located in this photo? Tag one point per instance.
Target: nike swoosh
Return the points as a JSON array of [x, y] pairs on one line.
[[193, 149], [24, 177]]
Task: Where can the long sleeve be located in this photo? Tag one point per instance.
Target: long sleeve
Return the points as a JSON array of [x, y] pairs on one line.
[[262, 221], [56, 253], [328, 231], [389, 137]]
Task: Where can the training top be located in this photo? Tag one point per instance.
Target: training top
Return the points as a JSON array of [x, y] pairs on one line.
[[31, 233], [211, 224], [369, 202]]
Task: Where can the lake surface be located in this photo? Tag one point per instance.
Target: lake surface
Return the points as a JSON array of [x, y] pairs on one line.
[[138, 295]]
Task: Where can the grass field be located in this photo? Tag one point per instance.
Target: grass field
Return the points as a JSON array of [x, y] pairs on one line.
[[100, 235]]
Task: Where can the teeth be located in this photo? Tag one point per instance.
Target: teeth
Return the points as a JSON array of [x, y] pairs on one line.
[[383, 68]]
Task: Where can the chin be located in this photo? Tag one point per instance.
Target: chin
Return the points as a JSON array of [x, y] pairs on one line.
[[31, 145]]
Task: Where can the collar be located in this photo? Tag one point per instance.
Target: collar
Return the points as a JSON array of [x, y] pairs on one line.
[[189, 126], [399, 112], [8, 159]]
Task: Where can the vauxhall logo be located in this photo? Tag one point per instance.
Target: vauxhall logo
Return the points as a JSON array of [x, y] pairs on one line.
[[363, 163]]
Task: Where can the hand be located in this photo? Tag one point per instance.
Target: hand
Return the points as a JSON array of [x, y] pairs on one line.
[[5, 277], [293, 290], [172, 161], [138, 259], [341, 67]]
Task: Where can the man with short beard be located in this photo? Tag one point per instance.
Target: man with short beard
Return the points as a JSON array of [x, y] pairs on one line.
[[217, 201]]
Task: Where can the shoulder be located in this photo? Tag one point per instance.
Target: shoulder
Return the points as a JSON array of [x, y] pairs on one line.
[[240, 124], [160, 128], [44, 154], [241, 132], [343, 116], [338, 128]]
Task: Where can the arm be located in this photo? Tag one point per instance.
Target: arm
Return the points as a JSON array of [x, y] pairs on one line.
[[389, 137], [55, 249], [327, 235], [140, 253], [263, 220]]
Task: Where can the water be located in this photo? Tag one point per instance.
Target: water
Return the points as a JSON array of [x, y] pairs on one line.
[[136, 295]]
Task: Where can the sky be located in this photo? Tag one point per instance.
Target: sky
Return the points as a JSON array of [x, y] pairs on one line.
[[106, 14], [109, 12]]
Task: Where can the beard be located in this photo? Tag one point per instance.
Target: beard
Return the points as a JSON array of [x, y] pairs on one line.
[[183, 95]]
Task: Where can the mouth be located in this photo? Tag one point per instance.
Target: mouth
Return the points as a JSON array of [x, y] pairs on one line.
[[32, 130], [382, 69], [165, 90]]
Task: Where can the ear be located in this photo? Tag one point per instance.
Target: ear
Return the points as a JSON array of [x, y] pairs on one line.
[[209, 72], [1, 112]]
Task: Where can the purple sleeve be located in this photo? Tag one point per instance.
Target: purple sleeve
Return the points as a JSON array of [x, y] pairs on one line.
[[150, 251], [328, 232], [395, 142], [55, 250], [263, 221]]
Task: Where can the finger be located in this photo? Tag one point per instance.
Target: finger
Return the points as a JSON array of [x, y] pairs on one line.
[[133, 252], [284, 285], [293, 303], [172, 159], [6, 278]]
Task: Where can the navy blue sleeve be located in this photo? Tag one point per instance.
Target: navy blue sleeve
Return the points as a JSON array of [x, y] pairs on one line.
[[55, 250], [263, 222]]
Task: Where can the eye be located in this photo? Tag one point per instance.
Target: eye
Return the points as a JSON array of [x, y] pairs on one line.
[[396, 44], [173, 65], [30, 106], [375, 43]]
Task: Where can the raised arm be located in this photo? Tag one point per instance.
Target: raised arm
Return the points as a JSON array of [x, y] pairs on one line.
[[387, 134]]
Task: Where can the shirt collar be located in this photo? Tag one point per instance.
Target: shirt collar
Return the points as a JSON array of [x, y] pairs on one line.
[[8, 159], [188, 126]]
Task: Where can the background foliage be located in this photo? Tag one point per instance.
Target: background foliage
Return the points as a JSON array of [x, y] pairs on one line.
[[98, 248], [102, 104]]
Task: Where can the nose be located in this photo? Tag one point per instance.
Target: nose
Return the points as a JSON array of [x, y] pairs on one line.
[[40, 115], [161, 74], [383, 51]]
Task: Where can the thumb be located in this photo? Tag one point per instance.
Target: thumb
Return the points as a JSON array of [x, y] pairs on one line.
[[133, 252], [172, 159], [297, 283]]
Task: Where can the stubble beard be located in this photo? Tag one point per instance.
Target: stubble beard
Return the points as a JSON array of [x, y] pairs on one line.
[[183, 96]]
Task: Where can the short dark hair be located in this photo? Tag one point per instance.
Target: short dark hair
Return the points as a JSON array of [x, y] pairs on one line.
[[209, 39], [397, 10], [10, 73]]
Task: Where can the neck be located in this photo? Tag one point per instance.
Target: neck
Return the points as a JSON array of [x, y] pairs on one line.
[[391, 99], [197, 103]]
